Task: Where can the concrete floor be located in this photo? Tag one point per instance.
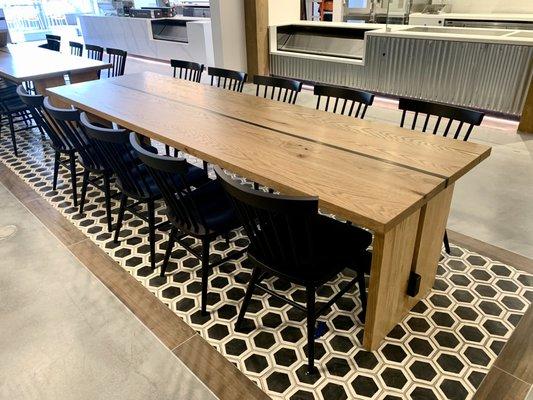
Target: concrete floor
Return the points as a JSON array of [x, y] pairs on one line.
[[64, 335], [492, 203]]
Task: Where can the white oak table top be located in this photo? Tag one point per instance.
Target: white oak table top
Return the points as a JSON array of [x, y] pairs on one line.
[[20, 63], [372, 174]]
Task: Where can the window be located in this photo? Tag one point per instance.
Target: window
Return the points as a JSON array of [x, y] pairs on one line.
[[31, 19]]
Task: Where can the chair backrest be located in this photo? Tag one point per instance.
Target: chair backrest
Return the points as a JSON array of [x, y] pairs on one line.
[[94, 52], [51, 44], [463, 117], [227, 78], [68, 121], [278, 227], [187, 70], [116, 151], [117, 58], [36, 104], [52, 37], [343, 100], [287, 89], [169, 174], [76, 49]]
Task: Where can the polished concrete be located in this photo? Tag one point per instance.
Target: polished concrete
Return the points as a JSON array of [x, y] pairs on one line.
[[493, 203], [63, 335]]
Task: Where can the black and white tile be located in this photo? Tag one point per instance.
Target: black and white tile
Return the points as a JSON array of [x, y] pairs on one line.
[[441, 350]]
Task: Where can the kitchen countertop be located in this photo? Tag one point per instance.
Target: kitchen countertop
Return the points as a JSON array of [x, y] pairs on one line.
[[177, 17], [500, 16], [508, 36]]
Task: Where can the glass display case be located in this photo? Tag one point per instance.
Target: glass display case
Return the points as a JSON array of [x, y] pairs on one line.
[[322, 41], [173, 30]]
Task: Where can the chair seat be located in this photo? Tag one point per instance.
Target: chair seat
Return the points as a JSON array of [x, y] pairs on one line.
[[216, 209], [195, 176], [13, 105], [336, 246]]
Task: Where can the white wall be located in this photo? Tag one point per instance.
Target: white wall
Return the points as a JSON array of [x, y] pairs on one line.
[[229, 37], [492, 6], [283, 11]]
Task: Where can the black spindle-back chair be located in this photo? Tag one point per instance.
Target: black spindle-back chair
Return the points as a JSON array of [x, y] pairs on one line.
[[133, 178], [68, 121], [463, 118], [15, 110], [203, 213], [76, 49], [187, 70], [227, 78], [280, 89], [289, 239], [49, 36], [343, 100], [94, 52], [52, 44], [117, 58], [60, 143]]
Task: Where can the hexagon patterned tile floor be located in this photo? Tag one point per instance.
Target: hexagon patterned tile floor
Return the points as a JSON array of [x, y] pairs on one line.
[[441, 350]]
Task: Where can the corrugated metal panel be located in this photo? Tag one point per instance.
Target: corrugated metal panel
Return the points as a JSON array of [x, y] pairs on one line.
[[487, 76]]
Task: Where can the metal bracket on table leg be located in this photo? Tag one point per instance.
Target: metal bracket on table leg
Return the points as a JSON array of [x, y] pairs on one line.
[[413, 286]]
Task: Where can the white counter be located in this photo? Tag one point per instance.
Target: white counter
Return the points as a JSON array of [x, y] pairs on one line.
[[474, 17], [135, 36], [484, 35], [471, 67], [472, 35]]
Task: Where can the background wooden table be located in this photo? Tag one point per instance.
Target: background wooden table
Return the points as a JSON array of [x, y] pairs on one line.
[[393, 181], [46, 68]]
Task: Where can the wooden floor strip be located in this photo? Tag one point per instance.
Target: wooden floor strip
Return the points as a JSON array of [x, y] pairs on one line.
[[495, 253], [516, 357], [157, 317], [222, 377], [499, 385]]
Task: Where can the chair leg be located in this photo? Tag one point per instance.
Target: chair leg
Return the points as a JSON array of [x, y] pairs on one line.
[[362, 292], [57, 158], [167, 149], [151, 228], [311, 322], [446, 243], [72, 167], [248, 296], [84, 184], [205, 274], [168, 252], [205, 165], [256, 186], [13, 137], [43, 135], [107, 194], [121, 210]]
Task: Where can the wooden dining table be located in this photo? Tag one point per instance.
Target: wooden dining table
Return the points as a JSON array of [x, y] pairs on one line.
[[46, 68], [395, 182]]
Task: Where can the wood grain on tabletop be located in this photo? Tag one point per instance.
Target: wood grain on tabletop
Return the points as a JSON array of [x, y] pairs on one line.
[[24, 62], [432, 154], [370, 193]]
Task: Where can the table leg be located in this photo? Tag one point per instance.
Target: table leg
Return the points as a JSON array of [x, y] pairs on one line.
[[77, 77], [42, 84], [526, 119], [413, 245]]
